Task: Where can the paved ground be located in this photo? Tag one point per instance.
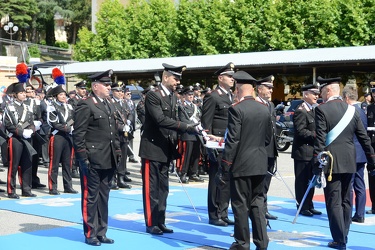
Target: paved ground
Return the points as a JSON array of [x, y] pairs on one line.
[[19, 222]]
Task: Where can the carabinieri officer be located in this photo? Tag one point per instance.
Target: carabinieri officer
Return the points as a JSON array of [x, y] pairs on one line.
[[60, 118], [97, 149]]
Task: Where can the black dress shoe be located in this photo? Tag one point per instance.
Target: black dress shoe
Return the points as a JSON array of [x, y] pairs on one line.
[[184, 179], [104, 239], [28, 194], [38, 185], [306, 213], [2, 170], [70, 191], [358, 219], [122, 184], [154, 230], [195, 178], [370, 212], [3, 182], [92, 241], [127, 172], [75, 174], [126, 179], [2, 190], [165, 229], [113, 185], [337, 245], [13, 196], [270, 216], [228, 221], [219, 223], [54, 192], [133, 160], [315, 212]]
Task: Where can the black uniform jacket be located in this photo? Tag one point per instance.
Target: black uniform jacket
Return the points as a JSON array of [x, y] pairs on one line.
[[159, 138], [249, 132], [124, 114], [95, 133], [14, 120], [215, 112], [304, 133], [74, 101], [185, 111], [271, 148], [327, 115], [371, 120], [60, 118]]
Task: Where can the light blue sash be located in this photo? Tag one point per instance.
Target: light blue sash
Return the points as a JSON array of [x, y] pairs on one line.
[[336, 131]]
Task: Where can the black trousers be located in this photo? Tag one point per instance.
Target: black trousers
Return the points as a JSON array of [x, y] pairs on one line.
[[371, 187], [35, 161], [18, 156], [247, 200], [267, 181], [303, 174], [94, 203], [155, 191], [218, 198], [130, 154], [339, 206], [4, 154], [121, 167], [60, 150], [190, 158]]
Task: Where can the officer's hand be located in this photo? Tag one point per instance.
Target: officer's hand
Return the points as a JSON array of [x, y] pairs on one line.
[[316, 167], [37, 124], [27, 133], [85, 166], [118, 157], [221, 178], [192, 129]]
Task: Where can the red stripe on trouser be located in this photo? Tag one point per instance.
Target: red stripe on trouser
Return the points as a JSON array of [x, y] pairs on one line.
[[84, 206], [51, 152], [71, 158], [147, 195], [183, 154], [179, 161], [10, 148]]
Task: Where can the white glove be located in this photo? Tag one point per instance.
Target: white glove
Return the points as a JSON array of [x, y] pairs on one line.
[[37, 124], [27, 133], [128, 122], [127, 128], [71, 130]]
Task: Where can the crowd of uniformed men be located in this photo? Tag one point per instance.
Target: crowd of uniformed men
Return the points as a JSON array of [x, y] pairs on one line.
[[90, 136]]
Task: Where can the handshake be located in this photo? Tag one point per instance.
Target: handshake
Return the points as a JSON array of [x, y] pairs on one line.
[[194, 129]]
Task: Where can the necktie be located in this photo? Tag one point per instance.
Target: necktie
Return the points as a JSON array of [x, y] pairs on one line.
[[106, 106]]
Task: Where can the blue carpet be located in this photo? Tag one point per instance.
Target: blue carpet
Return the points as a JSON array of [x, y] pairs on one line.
[[126, 224]]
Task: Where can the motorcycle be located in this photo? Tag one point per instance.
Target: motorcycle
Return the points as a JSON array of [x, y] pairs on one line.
[[284, 129]]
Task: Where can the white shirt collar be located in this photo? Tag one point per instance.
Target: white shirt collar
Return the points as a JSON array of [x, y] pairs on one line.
[[166, 90]]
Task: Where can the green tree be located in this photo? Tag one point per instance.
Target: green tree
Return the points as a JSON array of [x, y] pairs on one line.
[[353, 29], [152, 28], [77, 13], [192, 35], [20, 13], [88, 48]]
